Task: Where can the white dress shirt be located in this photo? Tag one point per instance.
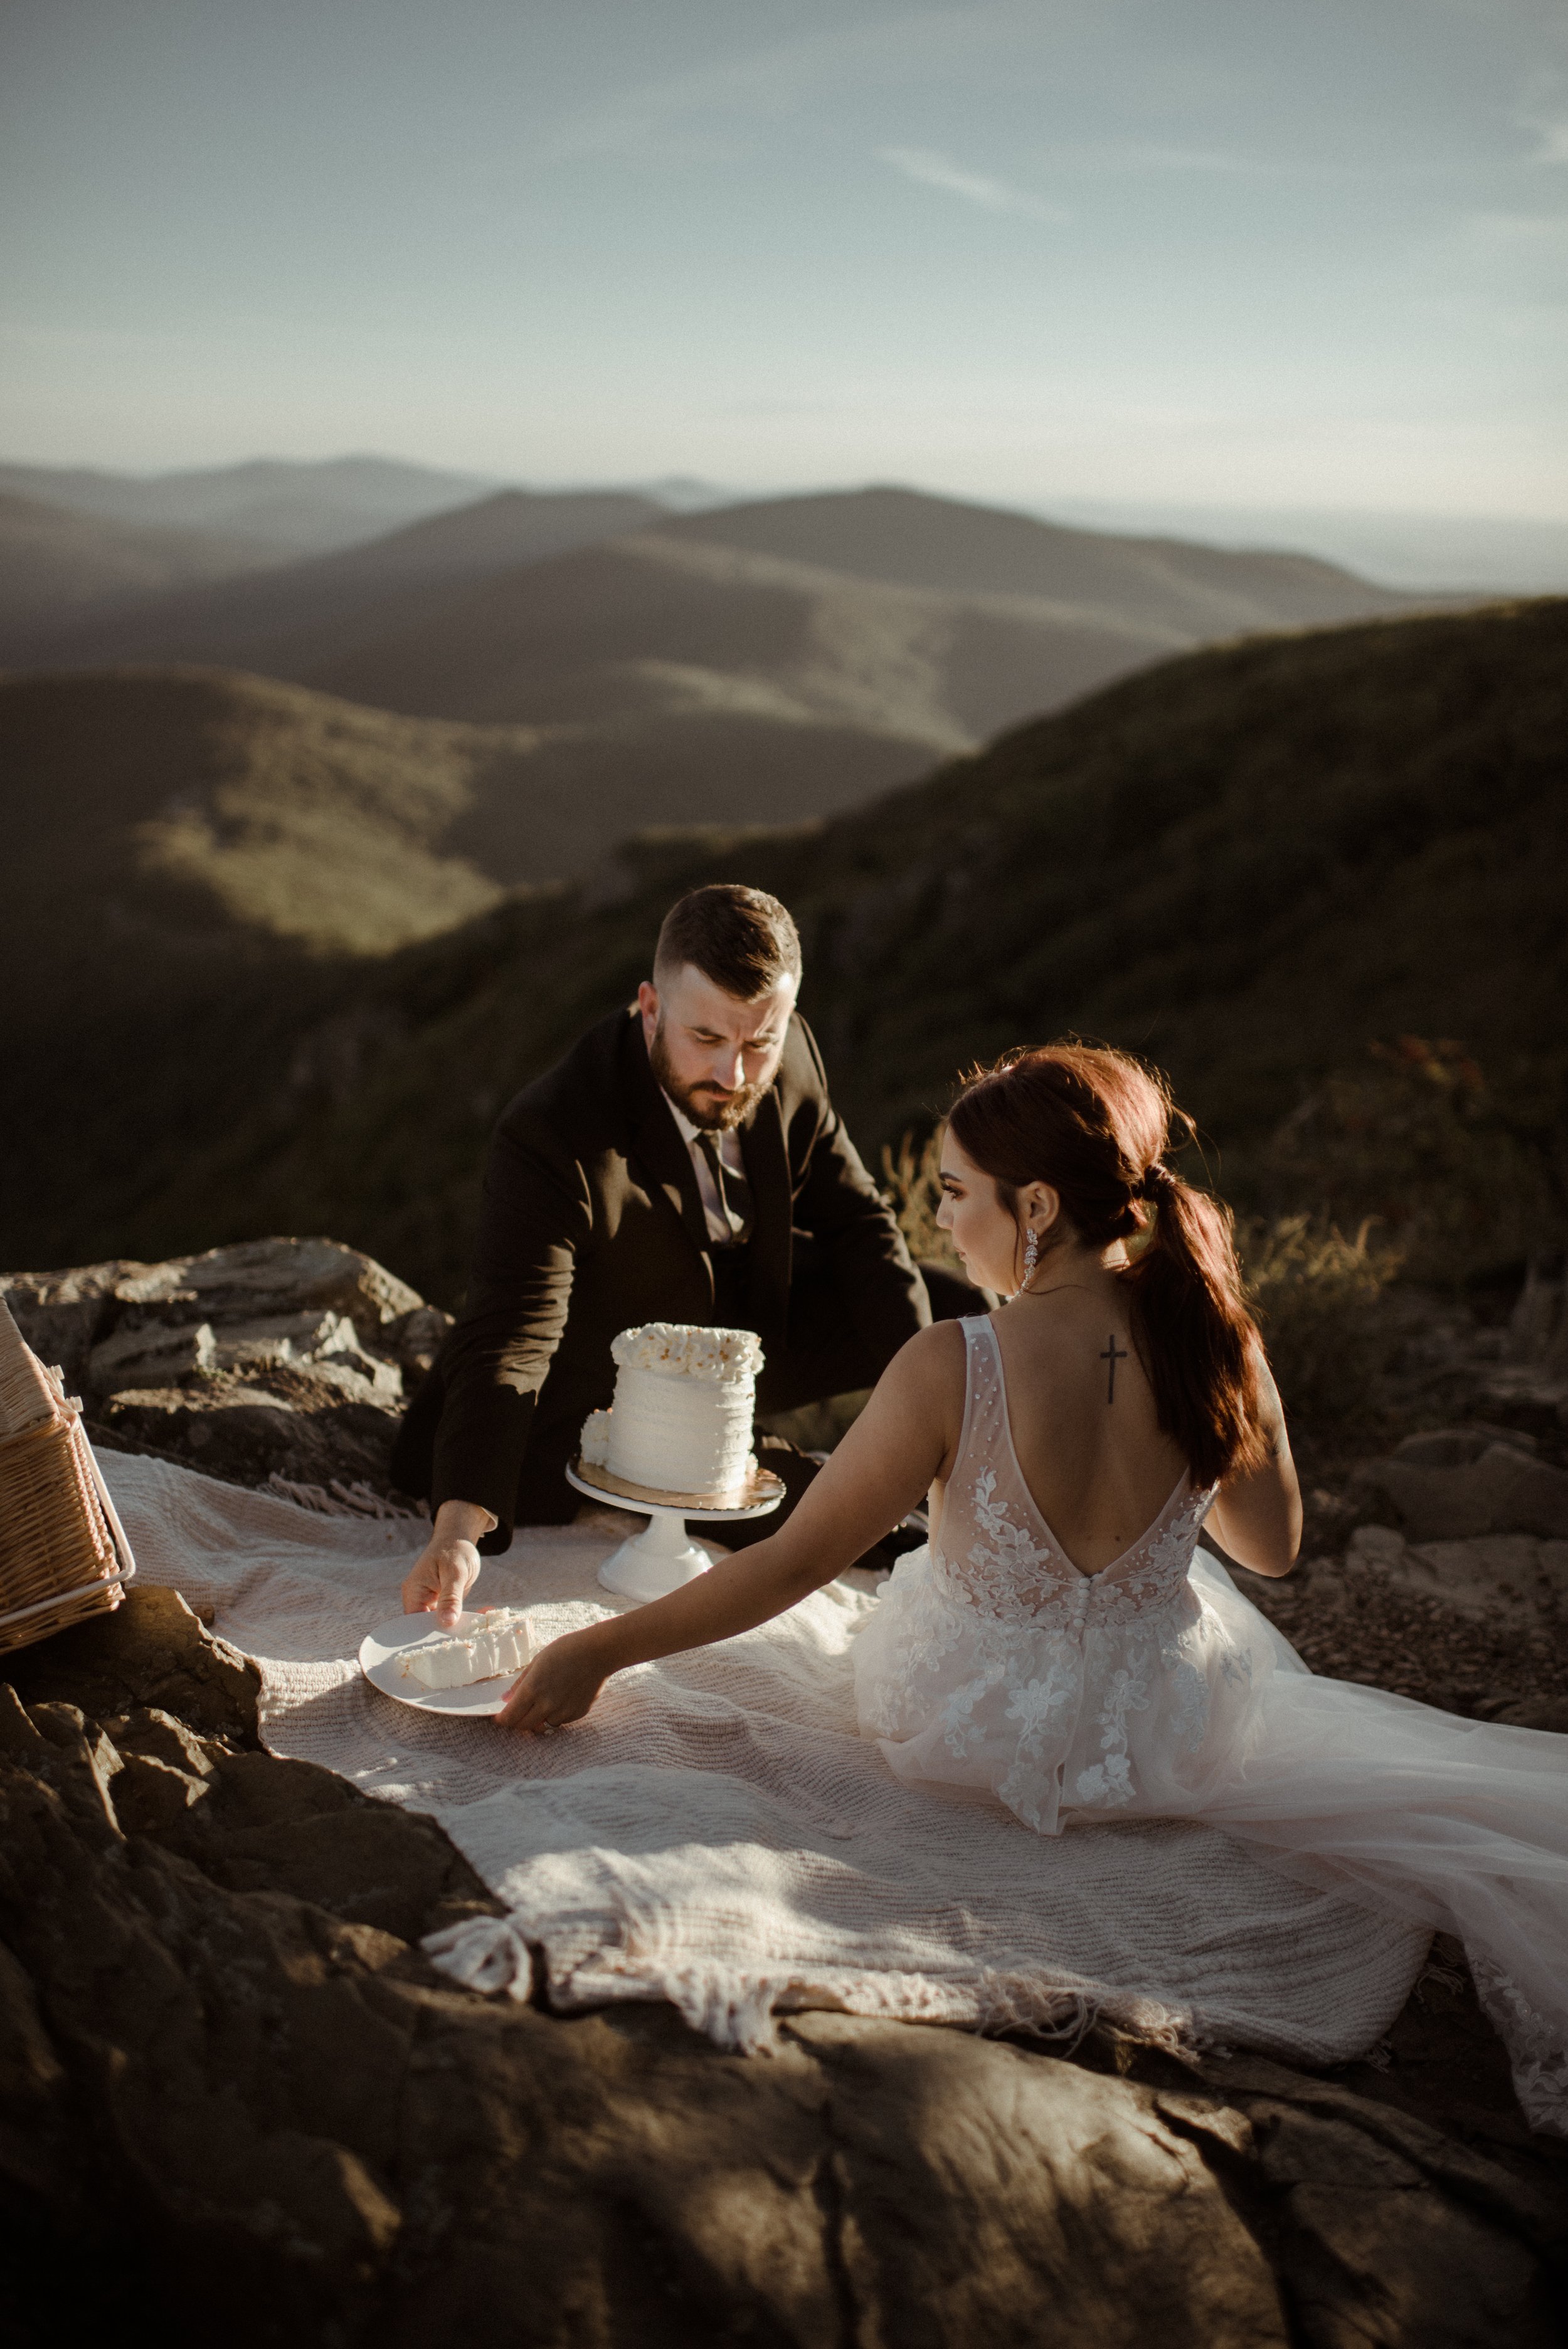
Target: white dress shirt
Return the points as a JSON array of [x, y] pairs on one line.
[[718, 1229]]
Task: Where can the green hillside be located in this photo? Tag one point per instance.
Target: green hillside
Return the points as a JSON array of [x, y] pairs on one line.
[[1251, 864]]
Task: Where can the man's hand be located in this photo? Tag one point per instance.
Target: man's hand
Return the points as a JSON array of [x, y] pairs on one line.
[[450, 1565]]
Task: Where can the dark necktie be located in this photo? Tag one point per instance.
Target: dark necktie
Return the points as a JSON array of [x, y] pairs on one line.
[[734, 1193]]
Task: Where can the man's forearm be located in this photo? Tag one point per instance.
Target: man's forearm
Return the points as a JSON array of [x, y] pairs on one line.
[[480, 1443], [461, 1521]]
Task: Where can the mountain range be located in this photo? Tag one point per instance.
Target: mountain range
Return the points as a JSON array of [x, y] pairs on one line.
[[753, 663], [292, 508], [1249, 862]]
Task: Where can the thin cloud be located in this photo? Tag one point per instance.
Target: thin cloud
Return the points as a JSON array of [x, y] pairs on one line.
[[928, 169], [1553, 138], [662, 120], [1524, 230], [1180, 158]]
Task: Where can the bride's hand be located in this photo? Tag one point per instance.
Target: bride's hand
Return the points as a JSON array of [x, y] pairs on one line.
[[559, 1685]]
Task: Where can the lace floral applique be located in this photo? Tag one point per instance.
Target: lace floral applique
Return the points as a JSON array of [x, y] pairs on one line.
[[1107, 1783], [1004, 1569], [1160, 1575], [960, 1729], [1189, 1719], [1036, 1705], [1110, 1782], [1536, 2053]]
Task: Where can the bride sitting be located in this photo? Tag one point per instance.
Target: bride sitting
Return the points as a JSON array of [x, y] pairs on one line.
[[1063, 1643]]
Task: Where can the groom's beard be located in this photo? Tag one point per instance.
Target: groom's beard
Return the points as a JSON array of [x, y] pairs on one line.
[[708, 1108]]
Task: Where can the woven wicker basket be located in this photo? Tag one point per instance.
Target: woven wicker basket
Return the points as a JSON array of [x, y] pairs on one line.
[[63, 1550]]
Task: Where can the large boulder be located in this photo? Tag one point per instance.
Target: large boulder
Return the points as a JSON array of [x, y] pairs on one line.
[[1455, 1484], [1511, 1576], [272, 1359]]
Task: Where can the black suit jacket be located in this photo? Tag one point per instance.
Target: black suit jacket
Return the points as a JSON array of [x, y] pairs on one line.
[[591, 1222]]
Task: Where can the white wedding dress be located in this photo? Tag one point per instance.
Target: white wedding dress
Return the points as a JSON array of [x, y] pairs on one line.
[[1154, 1687]]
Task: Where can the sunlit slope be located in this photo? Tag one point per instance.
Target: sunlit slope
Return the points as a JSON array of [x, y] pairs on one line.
[[273, 807], [188, 805], [1248, 864]]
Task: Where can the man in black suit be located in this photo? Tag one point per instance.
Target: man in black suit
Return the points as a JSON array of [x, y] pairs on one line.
[[682, 1162]]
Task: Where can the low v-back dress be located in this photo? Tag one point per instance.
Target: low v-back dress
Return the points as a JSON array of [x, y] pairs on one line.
[[1154, 1688]]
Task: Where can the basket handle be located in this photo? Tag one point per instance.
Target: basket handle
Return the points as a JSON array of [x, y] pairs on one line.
[[117, 1531], [69, 1408]]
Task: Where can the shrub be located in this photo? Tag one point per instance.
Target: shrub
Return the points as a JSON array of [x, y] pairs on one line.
[[1317, 1297], [1466, 1170]]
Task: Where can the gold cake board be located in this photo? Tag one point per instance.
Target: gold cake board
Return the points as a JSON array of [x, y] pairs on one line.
[[759, 1489]]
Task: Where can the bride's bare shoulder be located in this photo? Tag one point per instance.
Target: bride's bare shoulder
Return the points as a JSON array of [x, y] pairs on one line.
[[922, 1387], [932, 1360], [942, 1344], [931, 1363]]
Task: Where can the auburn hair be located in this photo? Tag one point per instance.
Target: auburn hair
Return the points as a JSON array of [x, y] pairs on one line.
[[1095, 1125]]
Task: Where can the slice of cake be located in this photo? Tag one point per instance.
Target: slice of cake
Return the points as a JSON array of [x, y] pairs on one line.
[[681, 1420], [482, 1647]]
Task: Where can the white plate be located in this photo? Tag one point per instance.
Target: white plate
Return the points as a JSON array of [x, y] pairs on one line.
[[381, 1650]]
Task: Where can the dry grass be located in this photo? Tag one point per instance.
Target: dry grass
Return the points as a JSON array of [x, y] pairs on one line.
[[911, 1181], [1317, 1294]]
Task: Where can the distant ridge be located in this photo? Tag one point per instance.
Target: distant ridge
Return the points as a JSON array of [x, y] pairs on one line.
[[912, 539], [274, 624], [59, 568], [295, 507]]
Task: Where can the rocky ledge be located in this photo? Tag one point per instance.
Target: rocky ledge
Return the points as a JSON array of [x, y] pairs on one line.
[[234, 2092], [275, 1361]]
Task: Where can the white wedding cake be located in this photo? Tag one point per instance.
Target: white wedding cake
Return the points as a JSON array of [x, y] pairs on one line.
[[484, 1646], [681, 1420]]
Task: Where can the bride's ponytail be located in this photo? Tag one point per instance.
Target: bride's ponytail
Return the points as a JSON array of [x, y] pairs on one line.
[[1198, 1336], [1094, 1125]]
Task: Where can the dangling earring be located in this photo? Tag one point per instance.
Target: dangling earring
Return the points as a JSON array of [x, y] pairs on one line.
[[1031, 1256]]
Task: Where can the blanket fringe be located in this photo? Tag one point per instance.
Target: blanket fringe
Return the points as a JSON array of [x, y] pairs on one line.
[[484, 1953], [338, 1500], [740, 2011]]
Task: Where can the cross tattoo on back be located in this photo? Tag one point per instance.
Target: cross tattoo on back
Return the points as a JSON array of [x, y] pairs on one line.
[[1113, 1354]]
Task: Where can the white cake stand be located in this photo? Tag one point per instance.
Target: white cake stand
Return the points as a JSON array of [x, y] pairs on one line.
[[652, 1564]]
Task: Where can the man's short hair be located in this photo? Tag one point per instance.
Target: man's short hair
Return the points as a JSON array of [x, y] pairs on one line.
[[741, 939]]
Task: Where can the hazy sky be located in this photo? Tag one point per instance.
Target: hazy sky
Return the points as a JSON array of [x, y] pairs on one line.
[[1307, 252]]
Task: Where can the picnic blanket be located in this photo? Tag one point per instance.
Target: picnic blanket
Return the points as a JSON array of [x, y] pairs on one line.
[[718, 1835]]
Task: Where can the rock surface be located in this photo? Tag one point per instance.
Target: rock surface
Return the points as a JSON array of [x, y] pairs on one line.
[[1452, 1484], [229, 2082], [274, 1359]]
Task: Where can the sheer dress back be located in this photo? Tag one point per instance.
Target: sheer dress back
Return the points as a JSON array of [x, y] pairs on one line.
[[1153, 1687]]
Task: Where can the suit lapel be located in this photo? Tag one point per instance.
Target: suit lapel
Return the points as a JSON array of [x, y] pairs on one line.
[[657, 1139]]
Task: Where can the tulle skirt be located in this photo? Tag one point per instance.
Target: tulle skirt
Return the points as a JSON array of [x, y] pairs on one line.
[[1201, 1709]]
